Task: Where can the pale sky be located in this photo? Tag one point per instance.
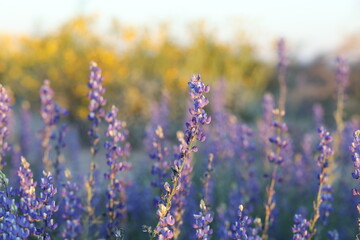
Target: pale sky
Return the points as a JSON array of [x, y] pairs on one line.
[[309, 26]]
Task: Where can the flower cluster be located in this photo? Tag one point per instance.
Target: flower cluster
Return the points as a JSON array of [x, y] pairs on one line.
[[324, 148], [95, 116], [205, 216], [96, 105], [72, 209], [4, 122], [277, 156], [12, 225], [333, 235], [265, 129], [245, 228], [117, 152], [193, 132], [301, 228], [160, 166], [202, 222], [355, 149], [50, 113], [38, 210], [322, 203]]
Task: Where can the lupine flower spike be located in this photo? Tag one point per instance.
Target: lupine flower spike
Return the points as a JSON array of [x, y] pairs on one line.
[[72, 209], [117, 152], [163, 229], [278, 141], [95, 116], [322, 203], [38, 210], [245, 228], [160, 166], [355, 149], [342, 81], [13, 225], [50, 113], [301, 228], [4, 122]]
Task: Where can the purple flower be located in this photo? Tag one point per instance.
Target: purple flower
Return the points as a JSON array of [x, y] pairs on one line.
[[301, 228], [38, 210], [355, 149], [324, 148], [95, 116], [160, 166], [245, 228], [265, 126], [325, 188], [322, 203], [13, 225], [4, 124], [72, 209], [205, 216], [96, 105], [202, 222], [50, 113], [182, 166], [26, 133], [333, 235], [117, 152]]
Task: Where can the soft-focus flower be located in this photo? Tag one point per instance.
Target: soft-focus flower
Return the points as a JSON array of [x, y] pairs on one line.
[[4, 122], [96, 105], [245, 228], [182, 166], [301, 228], [50, 113], [117, 152], [72, 209], [38, 210]]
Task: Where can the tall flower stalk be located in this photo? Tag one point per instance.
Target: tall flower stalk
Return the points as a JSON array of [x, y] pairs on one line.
[[321, 203], [279, 143], [160, 166], [4, 124], [342, 81], [117, 152], [163, 229], [50, 113], [355, 149], [95, 116]]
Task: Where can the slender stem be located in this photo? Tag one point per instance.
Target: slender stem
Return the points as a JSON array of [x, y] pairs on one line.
[[176, 183], [270, 205], [338, 115], [317, 204], [47, 148], [90, 192]]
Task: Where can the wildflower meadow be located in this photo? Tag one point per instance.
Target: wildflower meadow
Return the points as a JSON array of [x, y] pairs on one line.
[[197, 167]]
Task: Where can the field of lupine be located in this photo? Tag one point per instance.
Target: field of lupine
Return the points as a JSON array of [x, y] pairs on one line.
[[221, 179]]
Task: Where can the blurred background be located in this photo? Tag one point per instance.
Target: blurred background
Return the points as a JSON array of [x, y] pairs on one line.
[[146, 47]]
